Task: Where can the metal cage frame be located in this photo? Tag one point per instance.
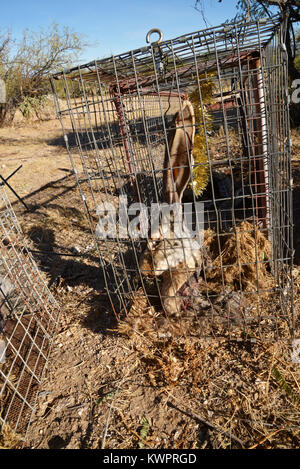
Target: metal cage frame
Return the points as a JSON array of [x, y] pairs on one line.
[[122, 111], [28, 319]]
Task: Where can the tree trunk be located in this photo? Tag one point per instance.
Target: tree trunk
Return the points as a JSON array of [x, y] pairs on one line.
[[293, 72], [7, 114]]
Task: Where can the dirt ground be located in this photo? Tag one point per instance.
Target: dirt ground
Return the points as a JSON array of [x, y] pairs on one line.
[[108, 389]]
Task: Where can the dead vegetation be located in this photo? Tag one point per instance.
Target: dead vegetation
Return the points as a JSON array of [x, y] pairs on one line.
[[9, 439], [242, 263]]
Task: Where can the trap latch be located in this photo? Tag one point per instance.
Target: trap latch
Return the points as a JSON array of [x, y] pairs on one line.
[[159, 64]]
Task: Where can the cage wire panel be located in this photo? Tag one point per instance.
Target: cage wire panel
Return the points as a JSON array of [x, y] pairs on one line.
[[28, 318], [200, 118]]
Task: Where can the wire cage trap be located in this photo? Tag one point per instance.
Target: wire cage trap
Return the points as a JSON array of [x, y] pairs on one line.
[[198, 121], [28, 319]]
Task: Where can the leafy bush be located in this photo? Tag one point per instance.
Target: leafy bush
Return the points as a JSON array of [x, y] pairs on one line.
[[31, 105], [26, 71]]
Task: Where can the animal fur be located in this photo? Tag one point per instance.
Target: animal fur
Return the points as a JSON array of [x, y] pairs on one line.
[[176, 255]]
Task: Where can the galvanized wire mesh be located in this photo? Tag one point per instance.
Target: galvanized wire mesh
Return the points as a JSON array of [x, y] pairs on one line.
[[211, 106], [28, 318]]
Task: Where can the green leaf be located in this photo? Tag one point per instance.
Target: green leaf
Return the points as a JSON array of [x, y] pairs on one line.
[[144, 432], [280, 380]]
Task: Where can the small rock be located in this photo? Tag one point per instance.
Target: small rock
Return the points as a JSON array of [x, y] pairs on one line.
[[44, 393], [75, 250], [81, 411], [296, 351]]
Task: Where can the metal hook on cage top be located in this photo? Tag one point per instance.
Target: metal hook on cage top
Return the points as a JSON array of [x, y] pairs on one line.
[[155, 44], [152, 31]]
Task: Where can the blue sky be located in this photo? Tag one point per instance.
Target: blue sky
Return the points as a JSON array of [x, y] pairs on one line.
[[113, 26]]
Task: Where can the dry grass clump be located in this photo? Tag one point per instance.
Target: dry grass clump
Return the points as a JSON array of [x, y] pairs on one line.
[[147, 319], [65, 217], [168, 358], [243, 262], [9, 439], [173, 363], [141, 318]]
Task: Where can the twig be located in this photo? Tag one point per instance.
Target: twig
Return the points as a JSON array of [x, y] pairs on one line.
[[108, 417], [191, 414], [270, 369], [266, 438]]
